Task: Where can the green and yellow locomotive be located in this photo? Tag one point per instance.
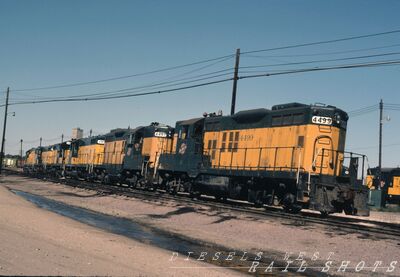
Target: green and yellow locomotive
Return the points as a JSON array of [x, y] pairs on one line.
[[388, 180], [132, 155], [292, 155]]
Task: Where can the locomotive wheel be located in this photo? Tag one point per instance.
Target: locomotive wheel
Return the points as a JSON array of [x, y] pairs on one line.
[[349, 208], [220, 198], [173, 190], [258, 199], [132, 182], [189, 188], [289, 204], [194, 194], [107, 180], [102, 178], [324, 214]]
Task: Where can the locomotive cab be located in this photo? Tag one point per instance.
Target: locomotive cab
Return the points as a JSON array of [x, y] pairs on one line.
[[142, 153], [187, 148]]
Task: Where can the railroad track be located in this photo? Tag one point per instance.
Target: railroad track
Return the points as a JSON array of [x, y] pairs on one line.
[[368, 228]]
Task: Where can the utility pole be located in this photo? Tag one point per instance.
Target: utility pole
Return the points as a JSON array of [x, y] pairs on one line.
[[20, 151], [62, 138], [380, 141], [4, 130], [90, 133], [235, 79], [40, 144]]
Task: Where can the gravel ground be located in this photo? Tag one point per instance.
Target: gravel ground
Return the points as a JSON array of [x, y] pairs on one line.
[[314, 245], [389, 217], [37, 242]]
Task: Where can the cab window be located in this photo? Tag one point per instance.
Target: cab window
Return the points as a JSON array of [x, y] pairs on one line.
[[184, 132]]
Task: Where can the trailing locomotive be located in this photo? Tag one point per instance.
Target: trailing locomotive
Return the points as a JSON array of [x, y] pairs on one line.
[[292, 155], [389, 182]]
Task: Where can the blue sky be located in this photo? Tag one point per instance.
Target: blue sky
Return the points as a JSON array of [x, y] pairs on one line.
[[45, 43]]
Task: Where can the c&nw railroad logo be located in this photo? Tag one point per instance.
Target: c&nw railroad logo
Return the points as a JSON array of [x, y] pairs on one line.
[[182, 149]]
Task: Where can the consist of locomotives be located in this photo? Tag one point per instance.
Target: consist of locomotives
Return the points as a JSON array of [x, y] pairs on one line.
[[292, 156]]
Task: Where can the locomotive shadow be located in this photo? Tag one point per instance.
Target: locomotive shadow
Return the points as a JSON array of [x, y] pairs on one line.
[[96, 194], [179, 211], [224, 218]]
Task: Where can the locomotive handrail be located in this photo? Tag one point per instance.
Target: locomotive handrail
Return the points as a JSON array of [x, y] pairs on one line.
[[335, 165], [253, 148], [212, 158]]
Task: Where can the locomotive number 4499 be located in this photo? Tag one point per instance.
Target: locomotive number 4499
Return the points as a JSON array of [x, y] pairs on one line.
[[322, 120]]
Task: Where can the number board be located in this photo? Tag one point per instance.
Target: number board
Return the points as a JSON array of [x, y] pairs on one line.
[[160, 134], [322, 120]]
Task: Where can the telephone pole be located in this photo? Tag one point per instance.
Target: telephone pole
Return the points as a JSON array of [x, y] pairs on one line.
[[20, 152], [4, 131], [235, 79], [62, 138], [40, 144], [380, 140]]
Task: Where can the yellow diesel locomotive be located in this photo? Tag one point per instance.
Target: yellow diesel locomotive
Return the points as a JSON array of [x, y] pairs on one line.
[[292, 155], [389, 182]]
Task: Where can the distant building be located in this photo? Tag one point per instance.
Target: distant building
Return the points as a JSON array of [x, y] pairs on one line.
[[77, 133]]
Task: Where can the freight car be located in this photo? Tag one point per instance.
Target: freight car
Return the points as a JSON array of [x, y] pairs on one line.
[[292, 155]]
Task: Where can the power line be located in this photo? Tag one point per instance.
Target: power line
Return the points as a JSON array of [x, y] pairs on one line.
[[374, 147], [324, 53], [364, 108], [52, 139], [139, 88], [323, 42], [362, 111], [366, 112], [327, 60], [280, 70], [121, 77], [345, 66], [31, 141], [201, 62], [391, 105], [392, 109], [121, 96], [143, 87], [159, 84]]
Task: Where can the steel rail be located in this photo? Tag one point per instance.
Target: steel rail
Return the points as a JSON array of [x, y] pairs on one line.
[[376, 228]]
